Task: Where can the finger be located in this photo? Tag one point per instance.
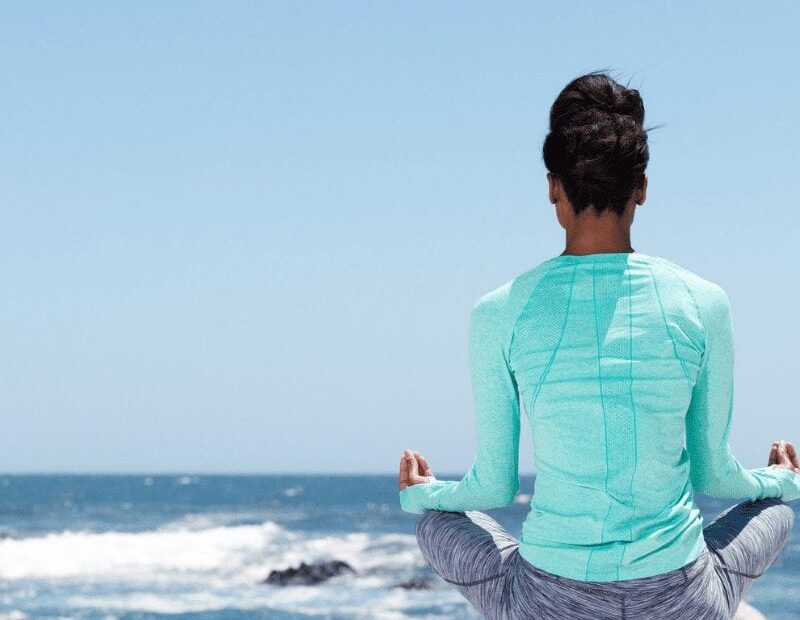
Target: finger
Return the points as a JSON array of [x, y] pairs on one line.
[[408, 456], [413, 467], [424, 466], [792, 454], [783, 455], [417, 477], [403, 478], [426, 470], [773, 453]]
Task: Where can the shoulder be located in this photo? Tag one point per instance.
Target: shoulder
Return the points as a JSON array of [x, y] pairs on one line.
[[707, 294], [505, 300], [711, 302], [497, 309], [493, 302]]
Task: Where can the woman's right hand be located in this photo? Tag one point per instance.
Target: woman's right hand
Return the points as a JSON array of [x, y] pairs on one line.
[[414, 469], [782, 455]]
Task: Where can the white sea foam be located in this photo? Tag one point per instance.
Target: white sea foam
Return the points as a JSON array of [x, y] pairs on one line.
[[293, 491], [193, 565], [124, 555]]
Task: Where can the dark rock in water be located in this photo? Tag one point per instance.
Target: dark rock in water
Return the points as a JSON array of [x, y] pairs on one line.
[[416, 583], [308, 574]]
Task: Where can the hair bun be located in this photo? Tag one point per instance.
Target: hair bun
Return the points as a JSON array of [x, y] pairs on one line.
[[597, 146], [629, 103]]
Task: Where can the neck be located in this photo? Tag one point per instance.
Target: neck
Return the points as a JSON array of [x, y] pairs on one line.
[[578, 247], [599, 234]]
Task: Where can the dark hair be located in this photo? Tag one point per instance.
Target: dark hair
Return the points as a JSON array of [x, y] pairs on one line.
[[597, 145]]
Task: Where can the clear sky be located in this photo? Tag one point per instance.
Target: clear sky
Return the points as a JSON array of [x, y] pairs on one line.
[[247, 236]]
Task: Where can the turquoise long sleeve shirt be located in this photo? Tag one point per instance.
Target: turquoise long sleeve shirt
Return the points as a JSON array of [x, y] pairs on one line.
[[624, 365]]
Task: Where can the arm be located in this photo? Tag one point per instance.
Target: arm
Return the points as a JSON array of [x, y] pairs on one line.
[[714, 469], [493, 479]]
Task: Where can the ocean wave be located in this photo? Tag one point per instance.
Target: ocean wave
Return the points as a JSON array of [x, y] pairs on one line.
[[138, 555], [195, 549], [182, 569], [206, 520]]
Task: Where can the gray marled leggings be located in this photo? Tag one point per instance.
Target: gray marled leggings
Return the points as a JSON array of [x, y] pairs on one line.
[[481, 559]]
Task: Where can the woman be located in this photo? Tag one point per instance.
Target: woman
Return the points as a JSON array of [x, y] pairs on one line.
[[624, 364]]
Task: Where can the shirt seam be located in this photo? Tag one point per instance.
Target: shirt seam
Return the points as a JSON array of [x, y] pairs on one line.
[[633, 411], [666, 326], [692, 296], [546, 370]]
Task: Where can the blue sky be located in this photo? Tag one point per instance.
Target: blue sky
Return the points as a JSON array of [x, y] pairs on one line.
[[246, 237]]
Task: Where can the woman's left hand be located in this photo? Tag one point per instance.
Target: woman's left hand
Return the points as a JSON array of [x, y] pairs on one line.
[[414, 469]]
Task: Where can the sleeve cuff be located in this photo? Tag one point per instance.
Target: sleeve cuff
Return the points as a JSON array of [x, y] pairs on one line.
[[417, 498], [789, 481]]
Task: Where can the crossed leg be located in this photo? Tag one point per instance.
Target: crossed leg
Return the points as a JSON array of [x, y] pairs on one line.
[[474, 553], [471, 551], [745, 540]]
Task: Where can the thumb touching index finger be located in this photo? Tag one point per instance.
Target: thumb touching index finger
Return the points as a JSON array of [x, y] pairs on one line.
[[783, 454], [413, 467], [425, 468]]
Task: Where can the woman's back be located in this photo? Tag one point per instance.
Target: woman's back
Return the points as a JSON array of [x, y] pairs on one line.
[[606, 349], [624, 364]]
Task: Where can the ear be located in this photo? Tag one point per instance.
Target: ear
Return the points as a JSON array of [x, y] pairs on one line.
[[552, 189], [643, 192]]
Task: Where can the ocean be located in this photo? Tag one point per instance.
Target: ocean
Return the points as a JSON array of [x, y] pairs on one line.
[[200, 546]]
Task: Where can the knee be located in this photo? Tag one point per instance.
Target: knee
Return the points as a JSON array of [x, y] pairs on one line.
[[784, 516], [780, 517], [427, 523], [435, 529]]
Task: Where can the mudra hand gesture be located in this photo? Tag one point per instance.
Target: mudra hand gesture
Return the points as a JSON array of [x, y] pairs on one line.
[[782, 455], [414, 469]]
